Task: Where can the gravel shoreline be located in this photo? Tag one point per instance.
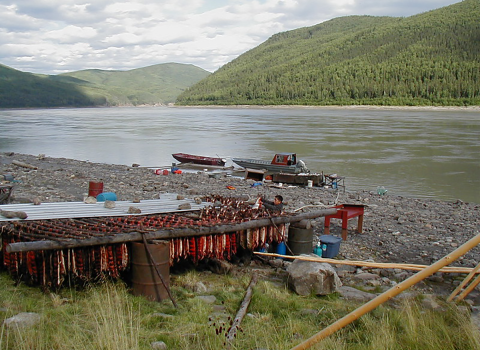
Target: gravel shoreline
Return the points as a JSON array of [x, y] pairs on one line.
[[396, 229]]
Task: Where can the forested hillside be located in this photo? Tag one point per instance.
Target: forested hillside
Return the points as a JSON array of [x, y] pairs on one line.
[[427, 59], [158, 84], [21, 90]]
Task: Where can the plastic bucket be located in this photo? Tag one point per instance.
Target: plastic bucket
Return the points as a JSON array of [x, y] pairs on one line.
[[300, 240], [106, 196], [145, 279], [310, 183], [95, 188]]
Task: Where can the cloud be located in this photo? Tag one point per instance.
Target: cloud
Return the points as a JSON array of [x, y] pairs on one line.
[[47, 36]]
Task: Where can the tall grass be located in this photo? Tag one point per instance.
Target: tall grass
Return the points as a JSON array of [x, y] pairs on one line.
[[108, 317]]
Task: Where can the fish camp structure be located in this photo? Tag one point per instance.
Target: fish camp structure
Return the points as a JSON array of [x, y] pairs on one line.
[[56, 252]]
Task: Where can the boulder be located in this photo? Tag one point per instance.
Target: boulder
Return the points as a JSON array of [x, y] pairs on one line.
[[350, 293], [22, 320], [306, 277], [159, 345]]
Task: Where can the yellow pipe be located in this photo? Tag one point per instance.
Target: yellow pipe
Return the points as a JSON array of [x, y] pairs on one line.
[[464, 283], [362, 310]]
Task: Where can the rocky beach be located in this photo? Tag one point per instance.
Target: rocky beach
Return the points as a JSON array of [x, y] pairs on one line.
[[395, 229]]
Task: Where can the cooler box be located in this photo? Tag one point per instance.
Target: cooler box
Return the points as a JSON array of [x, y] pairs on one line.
[[330, 246]]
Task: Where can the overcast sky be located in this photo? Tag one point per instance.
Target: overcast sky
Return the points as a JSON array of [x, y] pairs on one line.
[[56, 36]]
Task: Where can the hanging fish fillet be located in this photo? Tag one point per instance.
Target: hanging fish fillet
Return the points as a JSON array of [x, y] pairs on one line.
[[249, 238], [263, 237]]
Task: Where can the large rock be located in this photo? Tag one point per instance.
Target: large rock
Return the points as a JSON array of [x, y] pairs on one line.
[[22, 320], [306, 277], [350, 293]]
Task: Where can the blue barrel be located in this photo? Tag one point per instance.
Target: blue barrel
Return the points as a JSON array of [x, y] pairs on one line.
[[281, 248], [106, 196]]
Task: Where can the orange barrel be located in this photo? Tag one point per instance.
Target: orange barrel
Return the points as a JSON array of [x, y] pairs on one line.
[[95, 188], [145, 280]]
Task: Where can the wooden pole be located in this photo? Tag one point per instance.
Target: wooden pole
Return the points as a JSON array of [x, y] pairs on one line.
[[467, 290], [413, 267], [163, 233], [242, 310], [464, 282], [419, 276]]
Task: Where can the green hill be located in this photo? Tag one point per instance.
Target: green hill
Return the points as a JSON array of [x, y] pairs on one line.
[[158, 84], [20, 90], [427, 59]]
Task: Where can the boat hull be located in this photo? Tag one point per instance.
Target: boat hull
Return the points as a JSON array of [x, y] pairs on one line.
[[190, 158], [264, 165]]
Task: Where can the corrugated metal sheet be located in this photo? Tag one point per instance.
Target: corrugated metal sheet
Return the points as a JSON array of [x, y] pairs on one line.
[[63, 210]]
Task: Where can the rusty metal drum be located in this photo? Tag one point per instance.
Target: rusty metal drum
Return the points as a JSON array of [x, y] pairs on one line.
[[144, 276], [95, 188], [300, 240]]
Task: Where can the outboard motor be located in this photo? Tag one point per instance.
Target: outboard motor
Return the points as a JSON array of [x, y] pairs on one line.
[[301, 167]]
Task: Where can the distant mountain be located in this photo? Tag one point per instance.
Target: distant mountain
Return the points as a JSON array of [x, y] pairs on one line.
[[157, 84], [427, 59], [153, 85]]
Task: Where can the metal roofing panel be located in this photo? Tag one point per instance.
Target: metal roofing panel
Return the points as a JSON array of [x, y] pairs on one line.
[[63, 210]]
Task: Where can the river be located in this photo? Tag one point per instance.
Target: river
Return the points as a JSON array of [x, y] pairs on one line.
[[412, 152]]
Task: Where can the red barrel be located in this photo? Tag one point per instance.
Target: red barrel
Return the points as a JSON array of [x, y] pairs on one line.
[[95, 188]]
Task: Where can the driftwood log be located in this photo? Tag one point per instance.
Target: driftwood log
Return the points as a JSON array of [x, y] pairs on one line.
[[164, 233], [23, 165], [242, 310]]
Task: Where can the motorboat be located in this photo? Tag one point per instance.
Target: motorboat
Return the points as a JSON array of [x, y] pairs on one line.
[[190, 158], [281, 163]]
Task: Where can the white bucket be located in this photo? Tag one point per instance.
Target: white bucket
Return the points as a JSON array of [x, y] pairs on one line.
[[310, 183]]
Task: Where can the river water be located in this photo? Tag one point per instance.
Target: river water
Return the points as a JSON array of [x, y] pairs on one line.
[[423, 153]]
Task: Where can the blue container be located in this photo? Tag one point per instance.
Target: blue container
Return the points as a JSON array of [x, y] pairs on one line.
[[330, 246], [106, 196], [281, 248]]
